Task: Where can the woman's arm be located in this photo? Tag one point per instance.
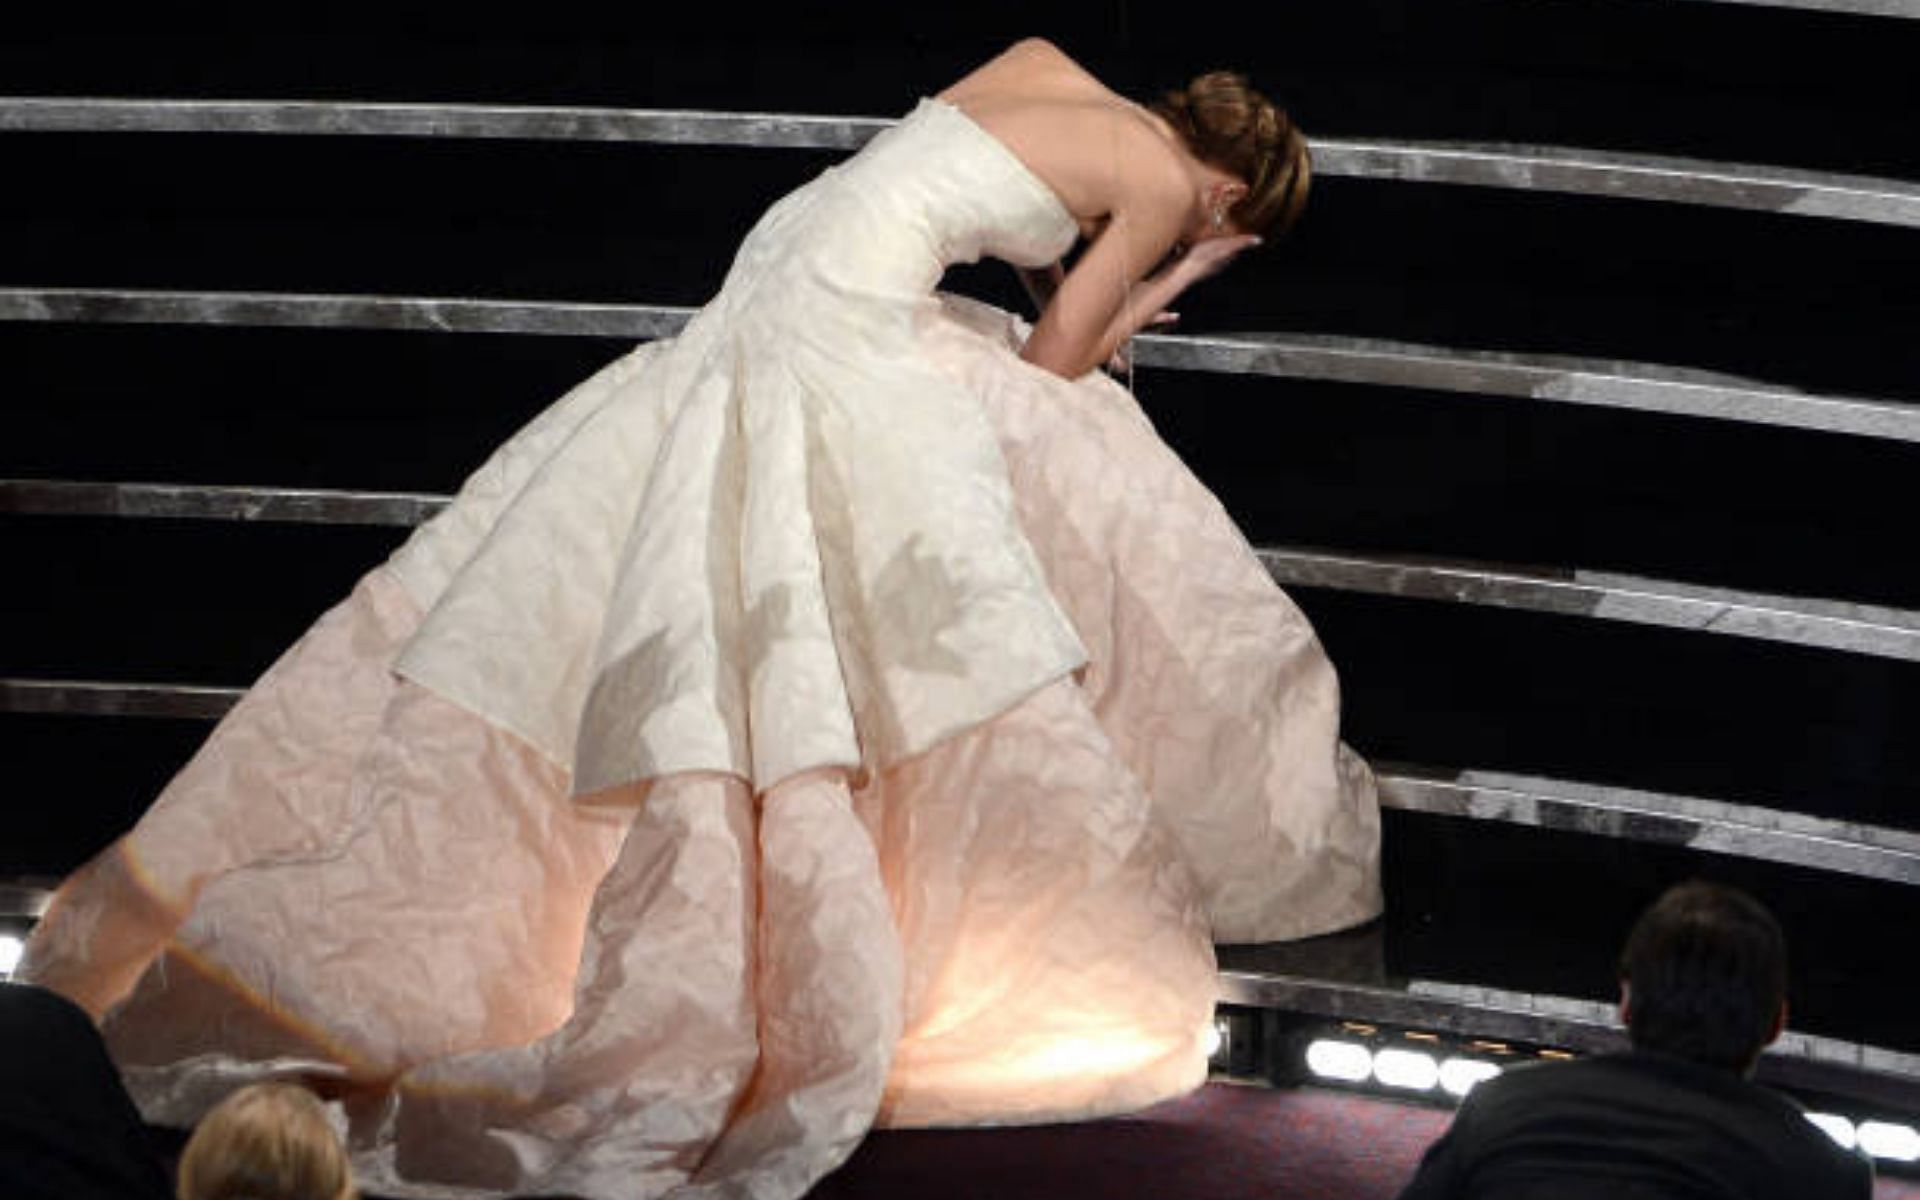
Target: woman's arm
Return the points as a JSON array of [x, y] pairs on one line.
[[1041, 283], [1109, 294], [1106, 297], [1144, 303]]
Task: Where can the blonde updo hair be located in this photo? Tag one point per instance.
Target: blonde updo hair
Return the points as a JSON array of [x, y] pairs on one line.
[[269, 1141], [1228, 124]]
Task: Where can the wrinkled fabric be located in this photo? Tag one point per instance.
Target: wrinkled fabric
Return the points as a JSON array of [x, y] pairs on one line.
[[782, 540], [820, 719]]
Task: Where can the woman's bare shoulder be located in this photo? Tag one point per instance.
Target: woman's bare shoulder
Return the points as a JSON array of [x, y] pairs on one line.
[[1030, 67], [1097, 150], [1039, 49]]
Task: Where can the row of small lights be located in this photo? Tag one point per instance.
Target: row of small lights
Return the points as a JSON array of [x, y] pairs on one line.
[[1405, 1069]]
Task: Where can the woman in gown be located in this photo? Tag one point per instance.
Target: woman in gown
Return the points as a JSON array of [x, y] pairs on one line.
[[845, 712]]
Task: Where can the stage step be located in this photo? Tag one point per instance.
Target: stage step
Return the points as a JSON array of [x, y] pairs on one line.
[[1342, 978], [1829, 624], [1711, 826], [1581, 284], [1548, 379], [1526, 168]]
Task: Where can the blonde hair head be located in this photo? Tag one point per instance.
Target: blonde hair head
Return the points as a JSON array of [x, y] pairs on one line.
[[270, 1141]]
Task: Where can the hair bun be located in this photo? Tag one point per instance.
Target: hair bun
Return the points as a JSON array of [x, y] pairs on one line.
[[1225, 122], [1177, 108], [1266, 124]]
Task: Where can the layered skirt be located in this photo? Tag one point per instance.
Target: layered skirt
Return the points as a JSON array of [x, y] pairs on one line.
[[749, 755]]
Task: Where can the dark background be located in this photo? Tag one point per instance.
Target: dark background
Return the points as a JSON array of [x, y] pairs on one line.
[[1824, 305]]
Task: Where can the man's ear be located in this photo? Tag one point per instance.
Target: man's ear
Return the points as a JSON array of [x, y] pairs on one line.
[[1779, 1025], [1626, 1003]]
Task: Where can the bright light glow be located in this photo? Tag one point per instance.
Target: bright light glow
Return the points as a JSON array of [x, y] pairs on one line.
[[1406, 1069], [1075, 1058], [10, 948], [1214, 1038], [1331, 1059], [1460, 1075], [1884, 1139], [1837, 1127]]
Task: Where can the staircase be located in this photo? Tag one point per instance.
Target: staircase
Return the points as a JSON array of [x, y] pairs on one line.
[[1582, 415]]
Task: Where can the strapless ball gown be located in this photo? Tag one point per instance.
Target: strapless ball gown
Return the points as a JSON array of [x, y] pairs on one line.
[[819, 719]]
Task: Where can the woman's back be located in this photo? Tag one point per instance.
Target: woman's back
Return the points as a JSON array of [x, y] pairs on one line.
[[935, 189], [1093, 147]]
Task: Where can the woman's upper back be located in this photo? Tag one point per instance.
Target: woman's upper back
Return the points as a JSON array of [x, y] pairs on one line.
[[933, 190], [1012, 162], [1094, 148]]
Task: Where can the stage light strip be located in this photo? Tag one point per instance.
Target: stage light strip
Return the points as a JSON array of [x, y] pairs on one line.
[[1343, 1059], [1869, 1073], [1552, 169], [1824, 624], [25, 898], [1837, 1127], [1892, 1141], [1366, 1058], [1639, 387]]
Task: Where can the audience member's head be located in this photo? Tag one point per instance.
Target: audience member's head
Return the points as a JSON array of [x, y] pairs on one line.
[[270, 1141], [1704, 977]]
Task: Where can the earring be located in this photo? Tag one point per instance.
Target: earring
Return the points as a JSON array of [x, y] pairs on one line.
[[1219, 219]]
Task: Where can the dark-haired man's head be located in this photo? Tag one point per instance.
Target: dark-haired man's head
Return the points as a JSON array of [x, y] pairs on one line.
[[1704, 977]]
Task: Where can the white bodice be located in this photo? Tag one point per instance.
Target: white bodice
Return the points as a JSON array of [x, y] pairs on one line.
[[783, 539], [934, 190]]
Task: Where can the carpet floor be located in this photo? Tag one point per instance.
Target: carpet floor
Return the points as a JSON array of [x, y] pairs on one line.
[[1223, 1142]]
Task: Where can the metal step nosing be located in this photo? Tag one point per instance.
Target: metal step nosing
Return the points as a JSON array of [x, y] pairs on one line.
[[1598, 810], [511, 122], [1693, 823], [1584, 1026], [1902, 9], [1552, 169], [98, 698], [1552, 1021], [1822, 624], [1875, 630], [1638, 387], [216, 502], [306, 310]]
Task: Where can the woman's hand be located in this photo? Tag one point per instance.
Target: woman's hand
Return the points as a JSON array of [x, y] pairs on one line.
[[1208, 257], [1121, 361]]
